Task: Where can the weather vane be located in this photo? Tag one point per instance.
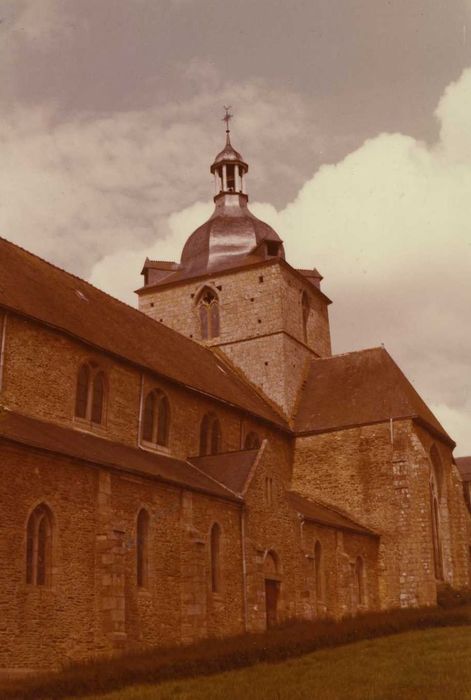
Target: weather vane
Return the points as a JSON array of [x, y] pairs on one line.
[[227, 117]]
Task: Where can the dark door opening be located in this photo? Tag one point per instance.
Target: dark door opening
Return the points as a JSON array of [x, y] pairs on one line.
[[272, 589]]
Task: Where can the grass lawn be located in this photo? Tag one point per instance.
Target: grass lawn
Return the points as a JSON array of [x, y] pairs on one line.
[[434, 664]]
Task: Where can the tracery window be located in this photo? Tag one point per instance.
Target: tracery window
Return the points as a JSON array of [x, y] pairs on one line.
[[156, 418], [142, 548], [39, 547], [252, 441], [215, 546], [210, 435], [306, 308], [90, 394], [208, 305]]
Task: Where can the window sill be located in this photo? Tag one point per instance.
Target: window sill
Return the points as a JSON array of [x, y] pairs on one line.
[[152, 447], [88, 426]]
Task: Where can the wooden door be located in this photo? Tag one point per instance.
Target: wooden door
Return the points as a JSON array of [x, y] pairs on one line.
[[271, 601]]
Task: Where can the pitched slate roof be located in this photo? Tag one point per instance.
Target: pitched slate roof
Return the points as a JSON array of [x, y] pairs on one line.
[[230, 468], [99, 451], [35, 288], [319, 513], [464, 466], [356, 389]]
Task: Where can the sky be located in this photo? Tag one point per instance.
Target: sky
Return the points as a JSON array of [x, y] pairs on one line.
[[354, 117]]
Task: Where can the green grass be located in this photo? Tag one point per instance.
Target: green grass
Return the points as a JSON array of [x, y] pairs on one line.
[[432, 664]]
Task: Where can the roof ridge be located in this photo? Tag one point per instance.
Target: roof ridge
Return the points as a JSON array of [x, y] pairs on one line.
[[208, 476], [350, 352]]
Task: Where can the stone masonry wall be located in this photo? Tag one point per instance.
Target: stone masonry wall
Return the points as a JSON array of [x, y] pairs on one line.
[[261, 324], [382, 479], [42, 384]]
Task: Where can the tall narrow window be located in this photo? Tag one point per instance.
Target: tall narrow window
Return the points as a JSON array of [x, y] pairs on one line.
[[435, 485], [156, 418], [39, 547], [306, 308], [81, 397], [90, 394], [360, 580], [142, 548], [215, 543], [252, 441], [98, 397], [209, 314], [210, 435], [318, 569]]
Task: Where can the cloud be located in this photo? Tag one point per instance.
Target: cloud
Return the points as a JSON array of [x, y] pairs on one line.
[[390, 229], [79, 190]]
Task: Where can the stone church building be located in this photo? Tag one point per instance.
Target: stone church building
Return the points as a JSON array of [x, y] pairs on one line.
[[204, 465]]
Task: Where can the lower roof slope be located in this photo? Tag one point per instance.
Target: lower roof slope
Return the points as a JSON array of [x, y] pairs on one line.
[[358, 388], [35, 288], [97, 450]]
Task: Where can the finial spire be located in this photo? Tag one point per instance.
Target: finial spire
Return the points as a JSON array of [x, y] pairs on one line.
[[227, 118]]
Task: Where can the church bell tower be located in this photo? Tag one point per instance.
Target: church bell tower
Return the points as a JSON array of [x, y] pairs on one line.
[[234, 290]]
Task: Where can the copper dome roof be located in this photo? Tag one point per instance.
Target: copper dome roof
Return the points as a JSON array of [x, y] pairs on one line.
[[229, 235]]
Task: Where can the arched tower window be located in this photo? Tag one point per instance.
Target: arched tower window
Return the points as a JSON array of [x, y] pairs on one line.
[[208, 306], [360, 580], [215, 546], [156, 418], [435, 488], [39, 547], [318, 569], [306, 308], [252, 441], [210, 435], [90, 394], [142, 548]]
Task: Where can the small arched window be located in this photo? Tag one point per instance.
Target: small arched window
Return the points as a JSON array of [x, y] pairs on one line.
[[210, 435], [156, 418], [360, 580], [252, 441], [142, 548], [318, 569], [39, 547], [208, 306], [215, 545], [90, 394], [306, 308]]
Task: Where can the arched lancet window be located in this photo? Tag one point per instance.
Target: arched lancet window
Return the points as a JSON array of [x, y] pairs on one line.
[[215, 546], [208, 305], [210, 435], [39, 547], [360, 580], [98, 397], [81, 396], [252, 441], [306, 308], [156, 418], [435, 486], [90, 394], [318, 569], [142, 548]]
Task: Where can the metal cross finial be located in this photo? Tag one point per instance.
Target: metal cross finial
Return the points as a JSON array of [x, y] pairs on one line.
[[227, 117]]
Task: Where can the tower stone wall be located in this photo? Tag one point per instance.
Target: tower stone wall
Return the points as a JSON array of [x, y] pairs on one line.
[[261, 322]]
